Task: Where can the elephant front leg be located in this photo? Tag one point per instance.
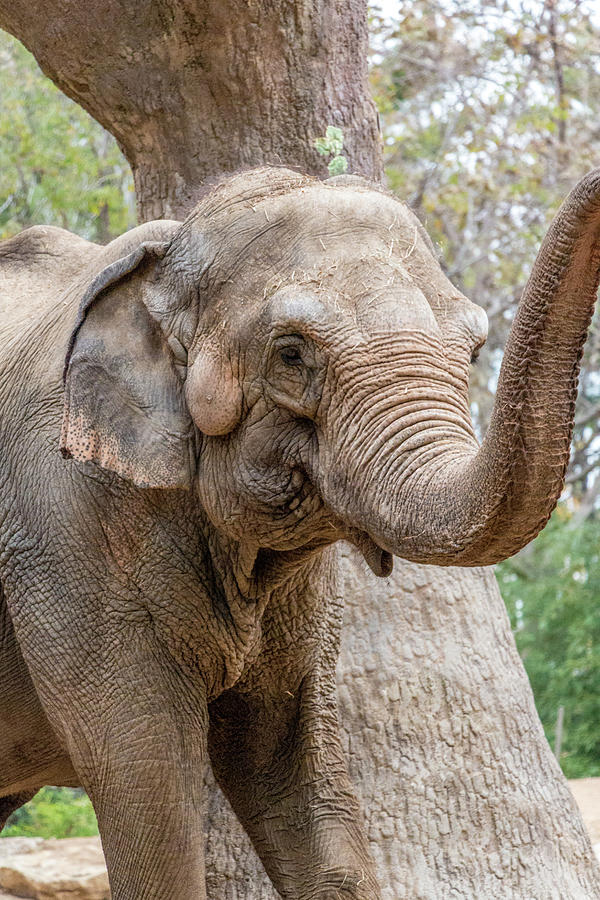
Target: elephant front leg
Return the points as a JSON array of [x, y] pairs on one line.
[[278, 758], [138, 742], [150, 823]]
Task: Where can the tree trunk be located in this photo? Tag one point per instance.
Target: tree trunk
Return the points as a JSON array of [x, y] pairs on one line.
[[462, 796], [195, 88]]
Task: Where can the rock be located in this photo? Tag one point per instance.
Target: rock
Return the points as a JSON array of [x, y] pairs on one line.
[[71, 869]]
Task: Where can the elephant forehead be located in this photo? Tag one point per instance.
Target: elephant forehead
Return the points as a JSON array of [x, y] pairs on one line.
[[320, 223], [374, 292]]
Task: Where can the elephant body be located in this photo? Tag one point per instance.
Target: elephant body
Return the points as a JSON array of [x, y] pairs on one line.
[[31, 754], [150, 646], [231, 396]]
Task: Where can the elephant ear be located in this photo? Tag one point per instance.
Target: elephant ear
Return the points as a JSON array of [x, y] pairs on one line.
[[124, 405]]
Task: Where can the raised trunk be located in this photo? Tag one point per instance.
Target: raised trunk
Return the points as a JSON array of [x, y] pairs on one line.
[[443, 739], [477, 508], [528, 442], [197, 88]]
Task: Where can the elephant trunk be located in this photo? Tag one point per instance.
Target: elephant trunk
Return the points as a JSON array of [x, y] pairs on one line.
[[481, 506], [524, 456]]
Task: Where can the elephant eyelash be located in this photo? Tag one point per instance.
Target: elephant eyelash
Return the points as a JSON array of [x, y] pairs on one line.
[[291, 356]]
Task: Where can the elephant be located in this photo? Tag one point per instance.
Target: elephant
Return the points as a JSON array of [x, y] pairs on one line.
[[232, 396]]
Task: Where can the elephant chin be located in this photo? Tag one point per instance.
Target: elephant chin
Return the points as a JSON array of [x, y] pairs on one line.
[[380, 561]]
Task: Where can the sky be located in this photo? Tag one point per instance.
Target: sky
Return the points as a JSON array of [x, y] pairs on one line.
[[389, 8]]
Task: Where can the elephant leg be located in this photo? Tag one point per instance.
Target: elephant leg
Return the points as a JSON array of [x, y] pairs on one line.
[[136, 733], [12, 802], [278, 759], [30, 754]]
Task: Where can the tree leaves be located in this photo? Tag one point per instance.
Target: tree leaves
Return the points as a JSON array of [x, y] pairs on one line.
[[54, 813], [57, 166], [551, 591], [332, 145]]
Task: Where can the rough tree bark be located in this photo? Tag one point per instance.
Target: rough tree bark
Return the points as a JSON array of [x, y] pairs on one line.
[[462, 796], [193, 88]]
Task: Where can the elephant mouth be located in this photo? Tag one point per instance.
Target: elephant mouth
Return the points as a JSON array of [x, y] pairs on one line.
[[306, 501], [302, 502], [380, 561]]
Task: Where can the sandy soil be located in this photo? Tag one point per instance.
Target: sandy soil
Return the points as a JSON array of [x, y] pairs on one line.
[[585, 790], [587, 793]]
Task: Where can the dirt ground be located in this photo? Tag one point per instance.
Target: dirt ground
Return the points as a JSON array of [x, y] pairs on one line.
[[587, 793], [50, 867]]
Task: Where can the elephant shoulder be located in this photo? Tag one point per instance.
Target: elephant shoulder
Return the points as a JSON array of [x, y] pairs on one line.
[[35, 267], [42, 250], [44, 266]]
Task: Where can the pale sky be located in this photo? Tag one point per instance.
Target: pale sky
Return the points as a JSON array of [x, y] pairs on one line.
[[389, 8]]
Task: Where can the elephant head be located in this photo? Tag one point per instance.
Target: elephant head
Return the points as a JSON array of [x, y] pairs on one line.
[[294, 352]]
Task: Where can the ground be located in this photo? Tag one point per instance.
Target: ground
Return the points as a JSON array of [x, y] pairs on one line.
[[73, 869], [587, 793]]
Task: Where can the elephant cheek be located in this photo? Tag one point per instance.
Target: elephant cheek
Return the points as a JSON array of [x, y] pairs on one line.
[[213, 394]]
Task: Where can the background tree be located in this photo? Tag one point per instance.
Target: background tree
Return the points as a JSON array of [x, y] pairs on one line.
[[56, 164], [192, 89], [461, 795], [490, 114]]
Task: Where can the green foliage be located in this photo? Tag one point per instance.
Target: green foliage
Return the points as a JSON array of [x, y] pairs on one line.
[[333, 142], [332, 145], [57, 165], [551, 592], [338, 165], [54, 813]]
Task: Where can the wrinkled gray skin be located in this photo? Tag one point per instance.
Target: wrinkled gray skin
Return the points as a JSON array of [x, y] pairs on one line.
[[287, 368]]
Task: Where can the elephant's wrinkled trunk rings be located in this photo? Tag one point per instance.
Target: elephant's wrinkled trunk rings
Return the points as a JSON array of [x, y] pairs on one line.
[[480, 507]]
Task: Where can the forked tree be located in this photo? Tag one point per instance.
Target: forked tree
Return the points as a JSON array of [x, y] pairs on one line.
[[461, 794]]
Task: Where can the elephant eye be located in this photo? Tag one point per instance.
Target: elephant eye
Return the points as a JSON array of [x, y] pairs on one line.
[[291, 356]]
